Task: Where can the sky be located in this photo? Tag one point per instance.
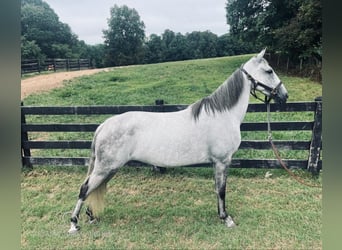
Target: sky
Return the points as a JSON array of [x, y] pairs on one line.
[[88, 18]]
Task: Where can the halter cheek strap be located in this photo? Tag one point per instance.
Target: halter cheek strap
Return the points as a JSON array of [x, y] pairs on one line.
[[256, 83]]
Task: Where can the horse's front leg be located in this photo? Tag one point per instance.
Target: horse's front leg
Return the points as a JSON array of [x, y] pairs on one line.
[[220, 184]]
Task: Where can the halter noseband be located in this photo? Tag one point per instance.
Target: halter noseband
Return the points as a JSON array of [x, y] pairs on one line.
[[273, 91]]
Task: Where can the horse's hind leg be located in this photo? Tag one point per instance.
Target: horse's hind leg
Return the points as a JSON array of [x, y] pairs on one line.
[[220, 184], [95, 197], [75, 214], [93, 183], [91, 216]]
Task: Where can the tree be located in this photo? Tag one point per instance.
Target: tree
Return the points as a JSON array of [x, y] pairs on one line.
[[167, 38], [30, 49], [287, 27], [96, 53], [301, 32], [155, 48], [173, 46], [178, 48], [202, 44], [40, 25], [245, 18], [125, 37], [228, 45]]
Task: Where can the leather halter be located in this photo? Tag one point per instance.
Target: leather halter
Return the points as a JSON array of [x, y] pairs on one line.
[[256, 83]]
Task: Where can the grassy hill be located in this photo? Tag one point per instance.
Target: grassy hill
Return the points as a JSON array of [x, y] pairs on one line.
[[175, 82]]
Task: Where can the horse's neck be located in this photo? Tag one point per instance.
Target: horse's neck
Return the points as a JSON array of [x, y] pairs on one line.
[[240, 109], [235, 114]]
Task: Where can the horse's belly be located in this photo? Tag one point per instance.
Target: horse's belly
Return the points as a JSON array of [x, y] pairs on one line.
[[171, 144], [171, 151]]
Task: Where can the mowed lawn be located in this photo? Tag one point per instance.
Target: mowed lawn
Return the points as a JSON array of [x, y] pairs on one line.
[[177, 209]]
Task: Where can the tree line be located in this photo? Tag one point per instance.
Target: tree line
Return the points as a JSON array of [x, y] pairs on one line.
[[289, 29], [172, 46]]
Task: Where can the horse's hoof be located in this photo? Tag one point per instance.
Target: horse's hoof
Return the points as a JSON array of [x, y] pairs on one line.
[[93, 221], [229, 222], [73, 229]]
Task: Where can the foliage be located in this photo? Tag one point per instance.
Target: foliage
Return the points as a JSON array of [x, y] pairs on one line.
[[301, 35], [97, 54], [30, 49], [124, 37], [171, 46], [244, 18], [154, 49], [43, 35], [292, 28], [40, 24], [202, 44]]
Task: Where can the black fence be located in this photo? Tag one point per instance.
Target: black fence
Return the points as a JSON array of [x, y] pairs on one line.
[[313, 146], [37, 66]]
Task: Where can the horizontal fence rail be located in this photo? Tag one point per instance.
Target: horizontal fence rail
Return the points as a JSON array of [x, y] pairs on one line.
[[105, 110], [313, 146], [250, 126], [35, 65]]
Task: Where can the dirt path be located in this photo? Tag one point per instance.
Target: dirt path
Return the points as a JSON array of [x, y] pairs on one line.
[[47, 82]]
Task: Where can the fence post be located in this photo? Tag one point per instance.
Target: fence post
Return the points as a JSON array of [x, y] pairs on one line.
[[316, 139], [159, 103], [54, 65], [38, 63], [24, 151], [67, 64]]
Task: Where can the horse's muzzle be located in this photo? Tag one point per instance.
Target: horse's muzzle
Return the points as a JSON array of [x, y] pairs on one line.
[[280, 97]]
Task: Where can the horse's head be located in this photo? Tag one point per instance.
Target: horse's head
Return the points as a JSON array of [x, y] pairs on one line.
[[264, 79]]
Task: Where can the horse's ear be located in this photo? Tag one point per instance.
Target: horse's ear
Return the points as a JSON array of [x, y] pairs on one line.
[[261, 54]]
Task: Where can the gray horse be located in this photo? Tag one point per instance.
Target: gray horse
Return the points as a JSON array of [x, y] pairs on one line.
[[208, 131]]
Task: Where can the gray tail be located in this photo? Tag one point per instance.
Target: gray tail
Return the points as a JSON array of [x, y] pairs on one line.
[[95, 200], [92, 157]]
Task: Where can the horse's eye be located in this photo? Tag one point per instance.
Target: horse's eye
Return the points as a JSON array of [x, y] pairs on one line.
[[270, 71]]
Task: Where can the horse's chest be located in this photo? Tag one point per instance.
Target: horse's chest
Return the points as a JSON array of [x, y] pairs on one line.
[[224, 142]]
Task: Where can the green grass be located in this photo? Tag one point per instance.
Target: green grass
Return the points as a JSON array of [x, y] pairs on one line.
[[176, 210]]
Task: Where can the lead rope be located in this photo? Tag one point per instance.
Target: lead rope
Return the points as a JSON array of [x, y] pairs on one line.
[[276, 152]]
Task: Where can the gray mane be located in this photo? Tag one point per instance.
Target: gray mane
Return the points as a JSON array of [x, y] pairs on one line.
[[224, 98]]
